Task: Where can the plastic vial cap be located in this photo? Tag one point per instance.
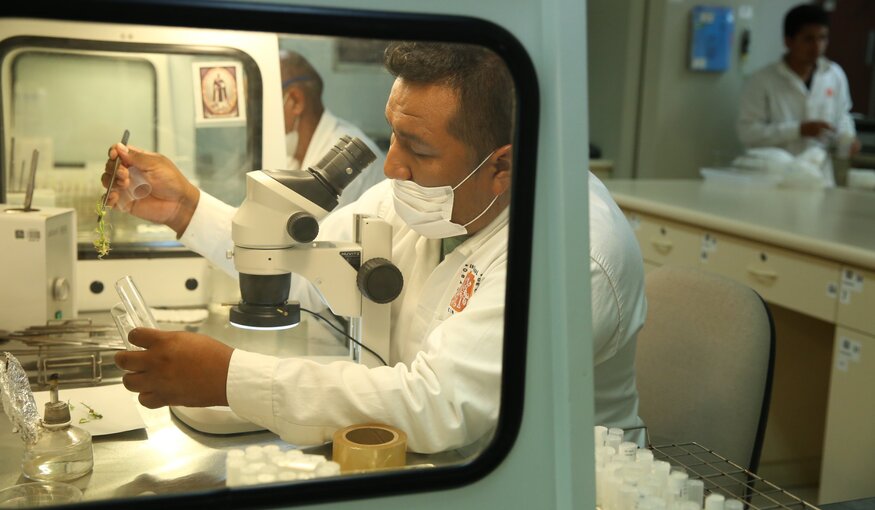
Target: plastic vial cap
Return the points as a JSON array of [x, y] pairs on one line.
[[607, 451], [646, 490], [57, 413], [236, 454], [614, 441], [254, 452], [678, 477], [324, 470], [677, 482], [628, 496], [661, 467], [714, 502], [250, 469], [689, 505], [643, 455], [615, 431], [630, 476], [600, 433], [733, 504], [695, 491], [627, 450]]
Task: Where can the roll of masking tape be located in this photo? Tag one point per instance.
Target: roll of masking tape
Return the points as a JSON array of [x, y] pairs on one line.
[[368, 447]]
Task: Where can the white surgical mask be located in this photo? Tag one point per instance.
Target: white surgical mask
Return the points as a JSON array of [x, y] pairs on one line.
[[428, 210]]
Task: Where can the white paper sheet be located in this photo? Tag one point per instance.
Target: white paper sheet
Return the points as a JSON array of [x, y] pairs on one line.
[[114, 402]]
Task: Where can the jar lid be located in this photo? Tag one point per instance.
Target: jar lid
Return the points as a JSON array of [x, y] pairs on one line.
[[57, 413]]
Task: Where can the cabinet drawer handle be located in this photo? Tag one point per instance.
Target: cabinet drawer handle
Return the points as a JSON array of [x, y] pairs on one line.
[[662, 246], [763, 274]]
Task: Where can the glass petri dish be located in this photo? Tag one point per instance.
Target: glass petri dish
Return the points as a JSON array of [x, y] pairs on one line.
[[27, 495]]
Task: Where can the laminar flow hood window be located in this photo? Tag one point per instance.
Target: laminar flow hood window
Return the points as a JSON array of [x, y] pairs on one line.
[[366, 178]]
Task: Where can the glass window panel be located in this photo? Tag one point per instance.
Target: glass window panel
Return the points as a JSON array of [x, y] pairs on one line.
[[160, 93], [72, 104]]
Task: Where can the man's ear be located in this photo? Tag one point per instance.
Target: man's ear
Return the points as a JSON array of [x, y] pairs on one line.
[[502, 164], [296, 96]]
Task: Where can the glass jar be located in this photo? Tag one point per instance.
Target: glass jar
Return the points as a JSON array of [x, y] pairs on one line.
[[62, 451]]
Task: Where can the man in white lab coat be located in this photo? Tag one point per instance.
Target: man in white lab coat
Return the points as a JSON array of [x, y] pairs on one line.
[[311, 129], [447, 198], [802, 100]]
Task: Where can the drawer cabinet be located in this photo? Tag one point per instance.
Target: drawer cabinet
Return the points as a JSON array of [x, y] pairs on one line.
[[802, 283], [666, 242], [848, 462], [856, 307]]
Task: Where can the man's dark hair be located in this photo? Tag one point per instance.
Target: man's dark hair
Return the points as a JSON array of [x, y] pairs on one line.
[[484, 119], [804, 14], [297, 70]]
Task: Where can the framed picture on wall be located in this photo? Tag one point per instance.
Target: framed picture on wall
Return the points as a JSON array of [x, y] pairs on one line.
[[219, 94]]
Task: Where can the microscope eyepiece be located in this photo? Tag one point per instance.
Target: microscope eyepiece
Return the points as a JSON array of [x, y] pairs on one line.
[[323, 182], [344, 162]]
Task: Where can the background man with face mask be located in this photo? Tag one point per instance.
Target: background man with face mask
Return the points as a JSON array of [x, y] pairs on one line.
[[802, 100], [451, 112], [311, 129]]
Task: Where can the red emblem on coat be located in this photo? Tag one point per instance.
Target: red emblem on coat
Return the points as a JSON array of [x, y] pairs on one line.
[[828, 92], [464, 292]]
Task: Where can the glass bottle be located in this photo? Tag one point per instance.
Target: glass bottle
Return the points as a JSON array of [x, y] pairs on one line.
[[62, 451]]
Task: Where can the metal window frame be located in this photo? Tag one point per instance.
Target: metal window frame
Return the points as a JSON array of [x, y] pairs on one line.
[[264, 17]]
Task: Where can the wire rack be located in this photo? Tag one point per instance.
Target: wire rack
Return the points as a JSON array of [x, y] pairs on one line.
[[72, 348], [722, 476]]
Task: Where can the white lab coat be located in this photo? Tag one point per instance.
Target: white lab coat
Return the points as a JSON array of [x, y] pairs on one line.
[[775, 101], [618, 311], [443, 383], [329, 129]]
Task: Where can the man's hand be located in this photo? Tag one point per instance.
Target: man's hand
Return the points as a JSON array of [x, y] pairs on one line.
[[173, 198], [177, 368], [815, 128], [856, 146]]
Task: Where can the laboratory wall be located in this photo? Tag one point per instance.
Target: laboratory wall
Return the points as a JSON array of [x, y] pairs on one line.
[[346, 84], [661, 119], [615, 31]]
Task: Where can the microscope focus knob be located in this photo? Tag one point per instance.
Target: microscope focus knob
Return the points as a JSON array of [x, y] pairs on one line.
[[379, 280], [303, 227]]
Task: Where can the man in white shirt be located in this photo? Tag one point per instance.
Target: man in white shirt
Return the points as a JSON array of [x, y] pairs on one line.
[[802, 100], [311, 129], [618, 312], [450, 111]]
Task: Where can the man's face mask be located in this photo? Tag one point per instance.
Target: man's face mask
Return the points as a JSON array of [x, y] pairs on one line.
[[428, 210]]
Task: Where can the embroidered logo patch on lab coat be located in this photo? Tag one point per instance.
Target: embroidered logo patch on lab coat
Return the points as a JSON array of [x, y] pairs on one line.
[[828, 92], [469, 281]]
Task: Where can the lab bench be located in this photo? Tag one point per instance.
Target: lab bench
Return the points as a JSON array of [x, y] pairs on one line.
[[809, 254], [167, 456]]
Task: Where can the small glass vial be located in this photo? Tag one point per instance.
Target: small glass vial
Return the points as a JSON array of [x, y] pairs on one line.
[[62, 451]]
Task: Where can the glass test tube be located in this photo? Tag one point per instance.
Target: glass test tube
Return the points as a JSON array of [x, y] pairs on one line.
[[132, 312]]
